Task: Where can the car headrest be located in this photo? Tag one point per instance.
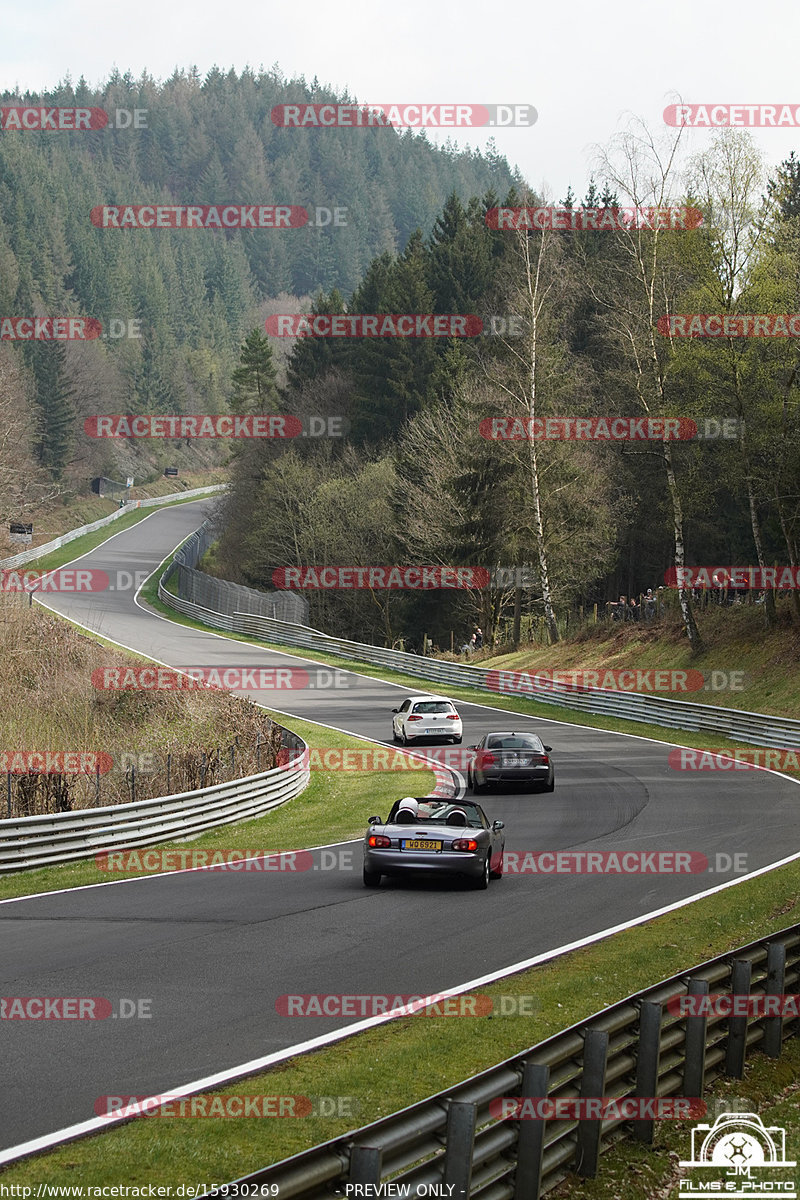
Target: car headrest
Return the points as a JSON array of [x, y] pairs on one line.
[[457, 817], [405, 817]]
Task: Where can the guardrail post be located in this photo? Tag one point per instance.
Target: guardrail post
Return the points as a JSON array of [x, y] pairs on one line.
[[460, 1138], [593, 1082], [8, 793], [736, 1049], [694, 1067], [530, 1140], [776, 981], [647, 1062], [365, 1164]]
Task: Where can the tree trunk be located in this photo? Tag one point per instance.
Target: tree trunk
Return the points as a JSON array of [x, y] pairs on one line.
[[516, 630], [684, 595]]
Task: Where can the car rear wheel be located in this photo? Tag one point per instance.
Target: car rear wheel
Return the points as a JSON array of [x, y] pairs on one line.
[[456, 741], [478, 787], [550, 787], [498, 874], [483, 883], [371, 878]]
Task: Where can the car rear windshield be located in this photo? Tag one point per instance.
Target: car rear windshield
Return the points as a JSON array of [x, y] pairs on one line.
[[433, 706], [519, 742]]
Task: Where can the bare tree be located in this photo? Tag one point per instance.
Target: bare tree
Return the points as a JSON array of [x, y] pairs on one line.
[[640, 289]]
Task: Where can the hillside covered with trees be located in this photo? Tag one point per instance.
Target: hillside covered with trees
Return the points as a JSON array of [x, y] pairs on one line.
[[187, 296]]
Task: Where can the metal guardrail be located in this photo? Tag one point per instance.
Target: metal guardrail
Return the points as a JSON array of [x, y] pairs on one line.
[[759, 729], [636, 1048], [65, 837], [153, 502]]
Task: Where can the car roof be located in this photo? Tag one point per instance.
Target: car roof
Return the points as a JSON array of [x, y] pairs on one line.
[[512, 733], [429, 696]]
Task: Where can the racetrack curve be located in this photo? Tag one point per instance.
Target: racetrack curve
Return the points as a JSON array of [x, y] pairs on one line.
[[212, 951]]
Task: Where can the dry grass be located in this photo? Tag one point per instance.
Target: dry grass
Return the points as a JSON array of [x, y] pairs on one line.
[[50, 704]]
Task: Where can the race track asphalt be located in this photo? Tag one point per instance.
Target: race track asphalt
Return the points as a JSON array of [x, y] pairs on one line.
[[213, 951]]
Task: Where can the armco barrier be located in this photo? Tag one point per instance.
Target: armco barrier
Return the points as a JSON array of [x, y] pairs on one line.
[[64, 837], [760, 729], [637, 1047], [153, 502]]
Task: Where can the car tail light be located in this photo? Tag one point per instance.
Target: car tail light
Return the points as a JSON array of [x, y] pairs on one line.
[[414, 718], [486, 760], [541, 759], [453, 717], [378, 841], [465, 844]]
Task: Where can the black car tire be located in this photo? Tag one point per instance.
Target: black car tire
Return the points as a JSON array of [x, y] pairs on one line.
[[478, 787], [550, 787], [372, 879], [483, 883], [457, 741]]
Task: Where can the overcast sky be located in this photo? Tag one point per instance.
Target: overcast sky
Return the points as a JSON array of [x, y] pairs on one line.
[[584, 66]]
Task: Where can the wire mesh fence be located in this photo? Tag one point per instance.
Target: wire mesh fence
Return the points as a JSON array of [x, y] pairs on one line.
[[126, 776]]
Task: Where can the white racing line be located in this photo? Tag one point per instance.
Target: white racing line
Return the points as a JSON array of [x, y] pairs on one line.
[[96, 1124]]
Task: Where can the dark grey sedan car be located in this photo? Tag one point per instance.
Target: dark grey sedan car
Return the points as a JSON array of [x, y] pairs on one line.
[[453, 837], [509, 757]]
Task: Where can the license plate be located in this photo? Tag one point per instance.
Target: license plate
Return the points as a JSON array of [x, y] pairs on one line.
[[420, 844], [429, 730], [513, 762]]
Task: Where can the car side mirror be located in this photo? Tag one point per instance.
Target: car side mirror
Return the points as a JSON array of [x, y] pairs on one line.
[[498, 824], [472, 747], [548, 747], [395, 710], [374, 821]]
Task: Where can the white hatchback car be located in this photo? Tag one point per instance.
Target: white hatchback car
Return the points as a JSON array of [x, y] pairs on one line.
[[426, 717]]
